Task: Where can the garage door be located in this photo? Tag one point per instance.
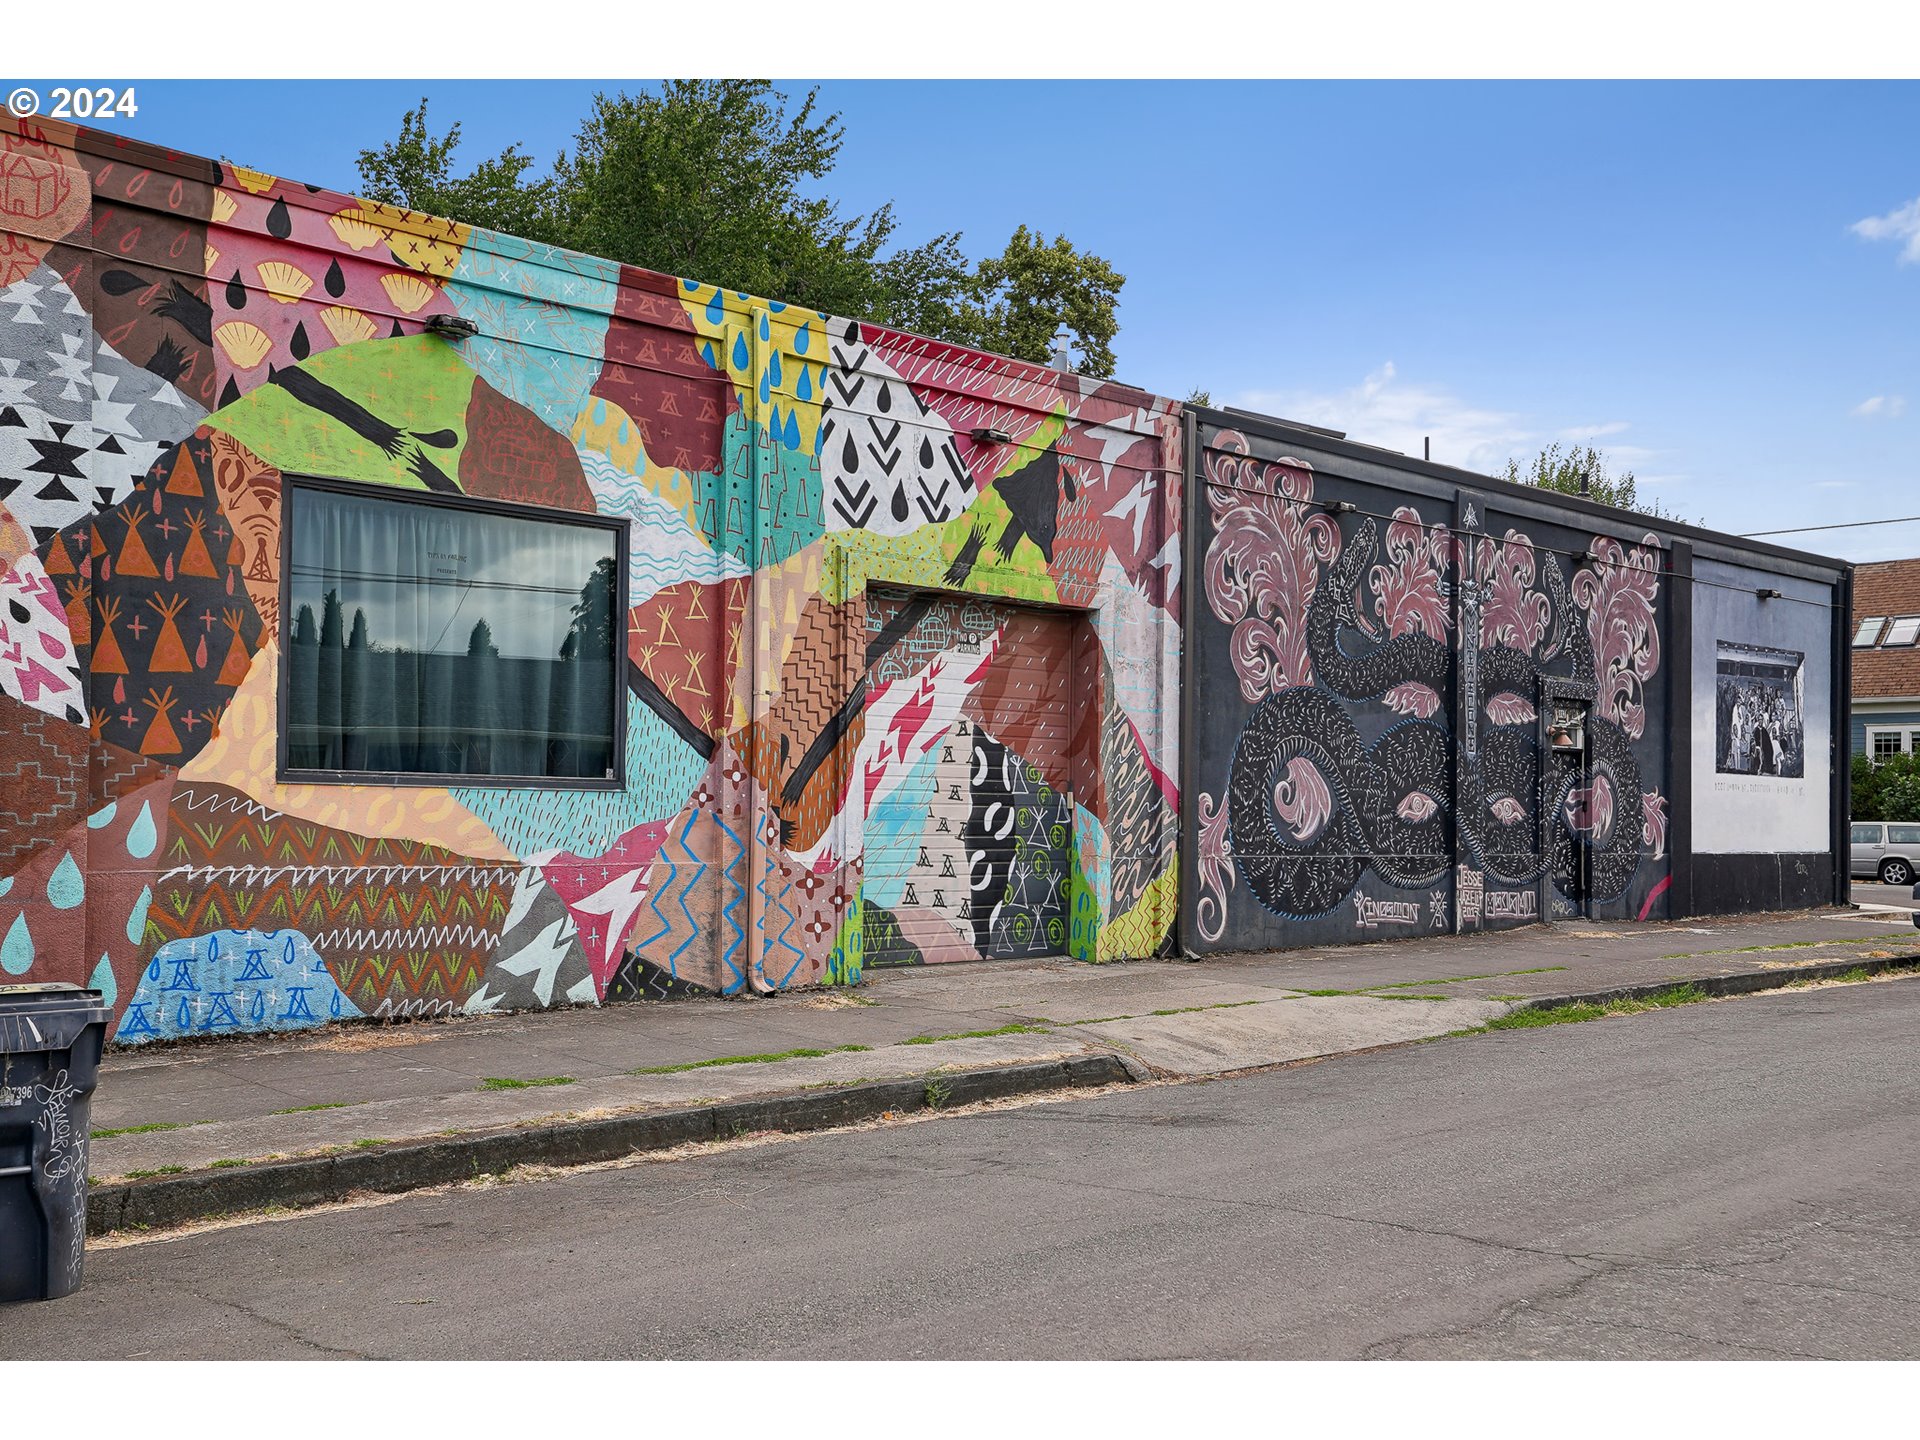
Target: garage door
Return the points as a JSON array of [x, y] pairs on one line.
[[970, 828]]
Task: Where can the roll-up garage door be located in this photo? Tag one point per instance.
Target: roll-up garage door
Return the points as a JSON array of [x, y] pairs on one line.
[[969, 828]]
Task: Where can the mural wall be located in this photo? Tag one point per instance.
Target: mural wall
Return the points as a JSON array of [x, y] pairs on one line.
[[177, 336], [1379, 664], [1762, 712]]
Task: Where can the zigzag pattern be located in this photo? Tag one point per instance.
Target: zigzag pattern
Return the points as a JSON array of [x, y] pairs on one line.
[[348, 874], [46, 780], [768, 904], [730, 879], [431, 936], [676, 883]]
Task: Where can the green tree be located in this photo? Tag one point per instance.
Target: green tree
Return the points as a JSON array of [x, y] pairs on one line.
[[415, 170], [1901, 799], [723, 181], [1030, 289], [1582, 470], [1889, 790]]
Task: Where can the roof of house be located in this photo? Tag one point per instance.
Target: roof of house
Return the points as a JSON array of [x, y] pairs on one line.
[[1886, 588]]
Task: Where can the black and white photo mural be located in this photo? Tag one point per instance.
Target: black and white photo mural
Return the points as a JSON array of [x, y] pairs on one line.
[[1760, 711], [1762, 725]]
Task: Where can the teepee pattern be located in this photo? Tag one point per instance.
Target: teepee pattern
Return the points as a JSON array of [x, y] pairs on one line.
[[177, 630]]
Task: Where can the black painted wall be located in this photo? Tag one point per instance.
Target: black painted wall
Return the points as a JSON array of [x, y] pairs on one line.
[[1357, 767]]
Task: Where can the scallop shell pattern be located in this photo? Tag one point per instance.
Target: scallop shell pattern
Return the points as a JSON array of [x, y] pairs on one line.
[[355, 232], [245, 345], [223, 207], [285, 283], [347, 325], [409, 292], [254, 182]]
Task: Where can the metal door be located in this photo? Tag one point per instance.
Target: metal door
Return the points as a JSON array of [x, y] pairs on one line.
[[969, 829]]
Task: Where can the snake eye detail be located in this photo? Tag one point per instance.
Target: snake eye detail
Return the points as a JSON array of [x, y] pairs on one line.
[[1417, 807]]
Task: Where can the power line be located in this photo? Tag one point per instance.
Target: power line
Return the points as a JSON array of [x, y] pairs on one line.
[[1846, 525]]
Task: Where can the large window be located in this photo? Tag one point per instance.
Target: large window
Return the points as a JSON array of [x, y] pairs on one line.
[[1903, 631], [432, 639], [1883, 742]]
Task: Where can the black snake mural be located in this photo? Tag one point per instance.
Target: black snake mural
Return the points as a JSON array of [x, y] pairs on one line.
[[1310, 807]]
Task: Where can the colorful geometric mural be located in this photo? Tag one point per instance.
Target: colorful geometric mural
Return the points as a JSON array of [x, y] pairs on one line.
[[178, 335]]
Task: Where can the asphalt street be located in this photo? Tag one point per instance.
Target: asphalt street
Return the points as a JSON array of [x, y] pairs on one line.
[[1736, 1179], [1872, 892]]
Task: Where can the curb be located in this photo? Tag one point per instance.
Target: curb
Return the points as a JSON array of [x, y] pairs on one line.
[[412, 1165], [1744, 982]]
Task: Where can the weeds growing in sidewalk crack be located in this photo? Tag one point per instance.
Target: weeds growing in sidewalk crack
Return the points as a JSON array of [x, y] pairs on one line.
[[801, 1054], [1688, 994], [304, 1109], [1014, 1029], [147, 1129], [504, 1082]]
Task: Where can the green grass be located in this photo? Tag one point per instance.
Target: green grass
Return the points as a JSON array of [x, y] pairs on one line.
[[1452, 979], [228, 1164], [800, 1054], [1756, 949], [503, 1082], [368, 1144], [1218, 1005], [1015, 1029], [1574, 1014], [144, 1129], [303, 1109]]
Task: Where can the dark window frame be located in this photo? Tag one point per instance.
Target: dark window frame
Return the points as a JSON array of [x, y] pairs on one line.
[[619, 526]]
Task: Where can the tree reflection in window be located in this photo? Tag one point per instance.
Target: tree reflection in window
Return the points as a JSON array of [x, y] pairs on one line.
[[449, 641]]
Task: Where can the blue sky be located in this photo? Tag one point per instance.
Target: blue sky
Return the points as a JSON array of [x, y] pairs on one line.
[[1672, 270]]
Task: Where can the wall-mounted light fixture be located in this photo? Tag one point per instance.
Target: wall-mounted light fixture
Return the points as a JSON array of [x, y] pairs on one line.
[[1769, 594], [987, 435], [450, 327]]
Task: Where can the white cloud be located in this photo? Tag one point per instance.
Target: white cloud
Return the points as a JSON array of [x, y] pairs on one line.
[[1901, 224], [1881, 407], [1399, 414]]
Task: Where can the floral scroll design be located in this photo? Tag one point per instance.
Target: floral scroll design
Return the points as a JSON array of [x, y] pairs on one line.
[[1263, 563], [1409, 591], [1618, 592], [1514, 612], [1217, 875]]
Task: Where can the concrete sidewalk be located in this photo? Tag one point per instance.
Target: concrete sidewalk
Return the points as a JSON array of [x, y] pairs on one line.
[[162, 1113]]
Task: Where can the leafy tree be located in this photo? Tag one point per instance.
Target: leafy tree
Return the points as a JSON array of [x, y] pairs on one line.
[[1198, 396], [1033, 287], [1887, 791], [1901, 798], [1582, 470], [415, 170], [719, 181]]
